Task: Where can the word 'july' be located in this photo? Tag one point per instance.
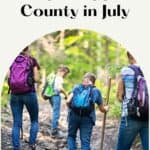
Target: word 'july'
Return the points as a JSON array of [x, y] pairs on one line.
[[118, 11]]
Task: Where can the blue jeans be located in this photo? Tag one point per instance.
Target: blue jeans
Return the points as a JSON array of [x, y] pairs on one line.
[[55, 102], [85, 125], [17, 103], [129, 128]]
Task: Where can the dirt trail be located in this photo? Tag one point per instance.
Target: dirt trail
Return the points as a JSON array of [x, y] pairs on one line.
[[44, 140]]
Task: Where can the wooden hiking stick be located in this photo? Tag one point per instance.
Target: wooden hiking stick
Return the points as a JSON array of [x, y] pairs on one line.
[[104, 118]]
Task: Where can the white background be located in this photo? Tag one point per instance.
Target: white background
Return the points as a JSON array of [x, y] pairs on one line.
[[18, 31]]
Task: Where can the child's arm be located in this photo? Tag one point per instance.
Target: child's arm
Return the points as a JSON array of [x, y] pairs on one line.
[[65, 94], [68, 101], [103, 108], [99, 100]]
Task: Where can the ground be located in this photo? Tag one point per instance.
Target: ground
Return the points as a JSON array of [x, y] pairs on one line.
[[46, 142]]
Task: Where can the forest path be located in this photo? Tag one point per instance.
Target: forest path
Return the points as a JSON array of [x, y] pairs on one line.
[[46, 142]]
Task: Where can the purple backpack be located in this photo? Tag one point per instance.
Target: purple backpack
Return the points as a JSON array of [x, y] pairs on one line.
[[21, 75], [138, 106]]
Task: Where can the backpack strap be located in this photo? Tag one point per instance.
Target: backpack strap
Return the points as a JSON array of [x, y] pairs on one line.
[[53, 83], [91, 90], [31, 69], [137, 72], [30, 62]]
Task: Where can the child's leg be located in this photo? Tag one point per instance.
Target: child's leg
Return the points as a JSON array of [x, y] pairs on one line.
[[56, 101], [86, 127], [73, 125]]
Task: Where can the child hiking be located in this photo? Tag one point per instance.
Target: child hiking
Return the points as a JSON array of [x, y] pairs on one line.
[[22, 75], [55, 99], [81, 115], [133, 93]]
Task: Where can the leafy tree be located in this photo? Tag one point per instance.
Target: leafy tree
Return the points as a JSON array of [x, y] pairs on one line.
[[82, 51]]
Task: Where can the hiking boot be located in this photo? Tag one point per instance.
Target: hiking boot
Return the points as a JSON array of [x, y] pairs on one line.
[[33, 147], [56, 134]]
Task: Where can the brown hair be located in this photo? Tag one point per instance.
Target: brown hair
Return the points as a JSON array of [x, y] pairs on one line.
[[90, 76], [131, 59], [25, 49], [63, 68], [129, 55]]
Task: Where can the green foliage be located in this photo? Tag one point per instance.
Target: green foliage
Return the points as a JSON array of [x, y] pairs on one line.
[[115, 106], [4, 94], [82, 51], [114, 70]]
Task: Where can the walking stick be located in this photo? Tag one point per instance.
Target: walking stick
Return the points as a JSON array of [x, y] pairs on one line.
[[104, 118]]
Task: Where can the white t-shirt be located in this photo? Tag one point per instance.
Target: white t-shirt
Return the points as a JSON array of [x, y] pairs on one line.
[[58, 84]]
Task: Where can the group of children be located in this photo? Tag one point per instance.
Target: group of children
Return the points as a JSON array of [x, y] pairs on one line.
[[82, 118], [79, 117], [80, 102]]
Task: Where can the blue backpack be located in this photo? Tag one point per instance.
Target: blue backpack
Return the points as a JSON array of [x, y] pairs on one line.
[[138, 106], [81, 102]]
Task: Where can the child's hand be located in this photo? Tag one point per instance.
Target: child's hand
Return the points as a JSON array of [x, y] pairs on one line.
[[106, 107], [103, 108], [65, 97], [68, 104]]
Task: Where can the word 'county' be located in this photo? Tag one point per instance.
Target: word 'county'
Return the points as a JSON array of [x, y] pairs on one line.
[[27, 11]]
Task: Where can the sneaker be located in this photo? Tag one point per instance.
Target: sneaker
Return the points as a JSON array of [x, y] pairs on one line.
[[56, 134], [33, 147]]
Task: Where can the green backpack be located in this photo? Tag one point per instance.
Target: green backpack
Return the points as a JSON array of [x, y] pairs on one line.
[[48, 90]]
